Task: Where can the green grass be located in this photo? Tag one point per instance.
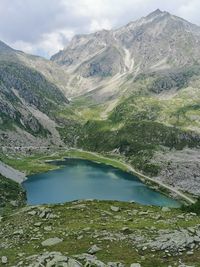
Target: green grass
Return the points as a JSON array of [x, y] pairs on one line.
[[71, 222], [38, 162], [193, 208], [28, 164], [10, 192]]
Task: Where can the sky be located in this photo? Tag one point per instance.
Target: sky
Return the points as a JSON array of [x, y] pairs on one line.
[[43, 27]]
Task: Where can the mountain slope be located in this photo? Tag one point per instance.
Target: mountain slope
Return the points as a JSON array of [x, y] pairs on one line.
[[136, 93], [158, 41], [25, 93]]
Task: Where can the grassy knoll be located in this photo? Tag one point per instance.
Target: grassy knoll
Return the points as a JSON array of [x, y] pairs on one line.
[[81, 224]]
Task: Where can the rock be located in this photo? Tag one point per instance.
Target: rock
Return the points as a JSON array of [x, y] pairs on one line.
[[166, 209], [118, 217], [32, 213], [193, 214], [43, 214], [174, 241], [96, 263], [115, 209], [73, 263], [94, 249], [51, 242], [190, 253], [51, 216], [14, 203], [181, 216], [158, 217], [51, 259], [85, 257], [79, 207], [48, 228], [38, 224], [18, 232], [192, 230], [87, 229], [126, 230], [4, 259], [115, 264], [143, 213], [135, 265]]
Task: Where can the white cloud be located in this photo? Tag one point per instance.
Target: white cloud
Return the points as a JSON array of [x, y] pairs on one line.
[[97, 25], [190, 11], [49, 44], [44, 27]]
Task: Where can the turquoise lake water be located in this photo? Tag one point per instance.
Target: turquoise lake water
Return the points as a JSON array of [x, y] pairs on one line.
[[83, 179]]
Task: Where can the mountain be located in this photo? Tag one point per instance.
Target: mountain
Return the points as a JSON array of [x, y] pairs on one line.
[[139, 93], [28, 100], [159, 41], [128, 97], [134, 92]]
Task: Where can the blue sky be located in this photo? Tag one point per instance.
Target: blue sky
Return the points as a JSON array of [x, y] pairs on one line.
[[43, 27]]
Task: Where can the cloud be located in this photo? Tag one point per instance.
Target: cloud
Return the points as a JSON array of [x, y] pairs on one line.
[[44, 27]]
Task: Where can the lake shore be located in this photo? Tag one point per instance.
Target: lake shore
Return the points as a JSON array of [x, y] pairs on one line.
[[38, 163], [157, 185]]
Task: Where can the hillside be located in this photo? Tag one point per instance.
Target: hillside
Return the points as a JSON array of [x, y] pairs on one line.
[[12, 195], [136, 88], [27, 100], [139, 87], [100, 233], [129, 98], [103, 60]]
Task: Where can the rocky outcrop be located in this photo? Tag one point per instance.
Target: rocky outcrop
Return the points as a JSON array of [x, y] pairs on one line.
[[180, 169], [11, 173]]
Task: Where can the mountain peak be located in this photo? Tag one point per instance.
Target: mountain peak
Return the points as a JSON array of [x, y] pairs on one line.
[[156, 12], [4, 47]]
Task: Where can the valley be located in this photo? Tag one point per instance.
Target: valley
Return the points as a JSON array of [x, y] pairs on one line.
[[123, 101]]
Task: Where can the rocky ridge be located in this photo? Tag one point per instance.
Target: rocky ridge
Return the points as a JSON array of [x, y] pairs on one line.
[[159, 41]]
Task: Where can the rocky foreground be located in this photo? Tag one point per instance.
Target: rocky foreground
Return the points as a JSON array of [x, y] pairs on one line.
[[99, 233]]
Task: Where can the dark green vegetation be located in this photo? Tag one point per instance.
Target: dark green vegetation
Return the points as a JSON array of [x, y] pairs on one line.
[[137, 141], [12, 194], [193, 208]]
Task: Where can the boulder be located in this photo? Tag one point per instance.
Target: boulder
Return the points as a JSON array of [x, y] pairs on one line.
[[4, 260], [165, 209], [94, 249], [114, 208], [51, 242]]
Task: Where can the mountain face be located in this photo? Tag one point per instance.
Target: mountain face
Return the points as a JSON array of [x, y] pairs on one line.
[[27, 99], [159, 41], [135, 92], [141, 87]]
